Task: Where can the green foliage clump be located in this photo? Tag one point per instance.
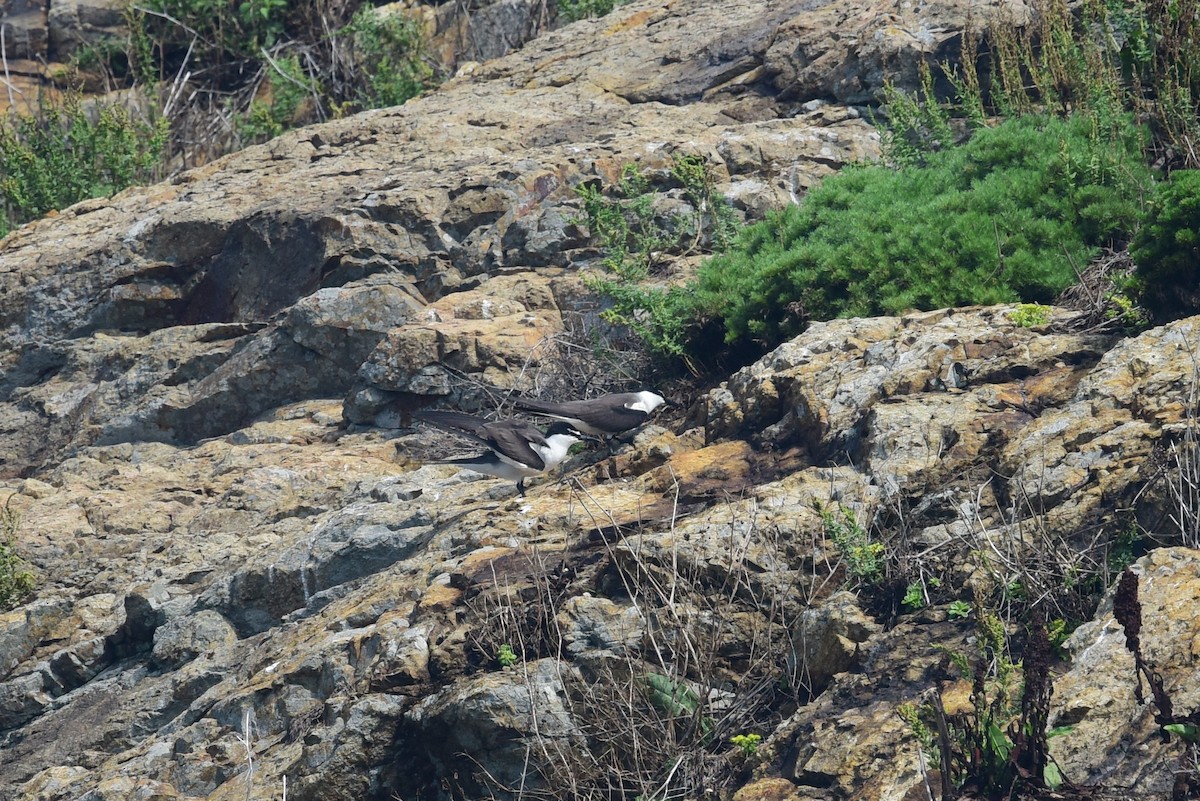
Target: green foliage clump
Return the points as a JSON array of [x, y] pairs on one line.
[[1158, 42], [65, 153], [914, 715], [627, 227], [218, 33], [393, 46], [959, 609], [748, 743], [1124, 549], [1167, 249], [678, 701], [999, 744], [574, 10], [506, 657], [917, 125], [272, 64], [16, 580], [1004, 217], [862, 556], [1030, 315], [635, 236], [916, 594]]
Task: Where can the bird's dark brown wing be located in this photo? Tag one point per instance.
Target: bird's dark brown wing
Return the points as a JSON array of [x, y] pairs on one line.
[[512, 438], [608, 412], [509, 438]]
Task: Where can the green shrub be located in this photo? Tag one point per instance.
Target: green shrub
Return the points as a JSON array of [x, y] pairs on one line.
[[215, 33], [16, 580], [1159, 47], [573, 10], [1167, 249], [314, 61], [748, 743], [392, 46], [384, 63], [863, 557], [63, 154], [917, 124], [1005, 217], [634, 235]]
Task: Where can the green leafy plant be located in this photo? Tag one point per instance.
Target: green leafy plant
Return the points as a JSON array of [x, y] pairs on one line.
[[863, 558], [1159, 49], [748, 743], [1030, 315], [1124, 548], [1123, 306], [1000, 743], [574, 10], [917, 125], [505, 656], [915, 716], [63, 154], [632, 235], [272, 63], [959, 609], [677, 700], [916, 594], [218, 33], [1187, 731], [1057, 631], [635, 236], [17, 581], [139, 51], [712, 225], [393, 47]]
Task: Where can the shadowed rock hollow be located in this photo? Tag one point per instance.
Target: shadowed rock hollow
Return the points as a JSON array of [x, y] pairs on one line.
[[240, 552]]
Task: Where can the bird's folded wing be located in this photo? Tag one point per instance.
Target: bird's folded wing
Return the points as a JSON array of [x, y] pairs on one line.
[[515, 439]]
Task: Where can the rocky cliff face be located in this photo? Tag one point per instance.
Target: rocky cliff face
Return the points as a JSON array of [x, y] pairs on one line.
[[249, 576]]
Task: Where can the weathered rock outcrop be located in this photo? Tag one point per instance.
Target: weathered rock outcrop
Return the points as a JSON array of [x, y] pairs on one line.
[[249, 574]]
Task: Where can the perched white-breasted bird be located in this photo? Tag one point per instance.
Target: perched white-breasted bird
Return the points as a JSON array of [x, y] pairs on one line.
[[609, 414], [517, 449]]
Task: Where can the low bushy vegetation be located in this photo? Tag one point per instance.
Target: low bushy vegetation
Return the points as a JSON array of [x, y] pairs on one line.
[[264, 66], [1006, 194], [636, 235], [70, 151], [393, 46], [1008, 216], [1167, 248], [574, 10], [211, 77], [1011, 215], [16, 579]]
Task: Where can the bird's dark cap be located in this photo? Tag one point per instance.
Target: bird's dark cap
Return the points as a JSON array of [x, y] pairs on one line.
[[561, 427]]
